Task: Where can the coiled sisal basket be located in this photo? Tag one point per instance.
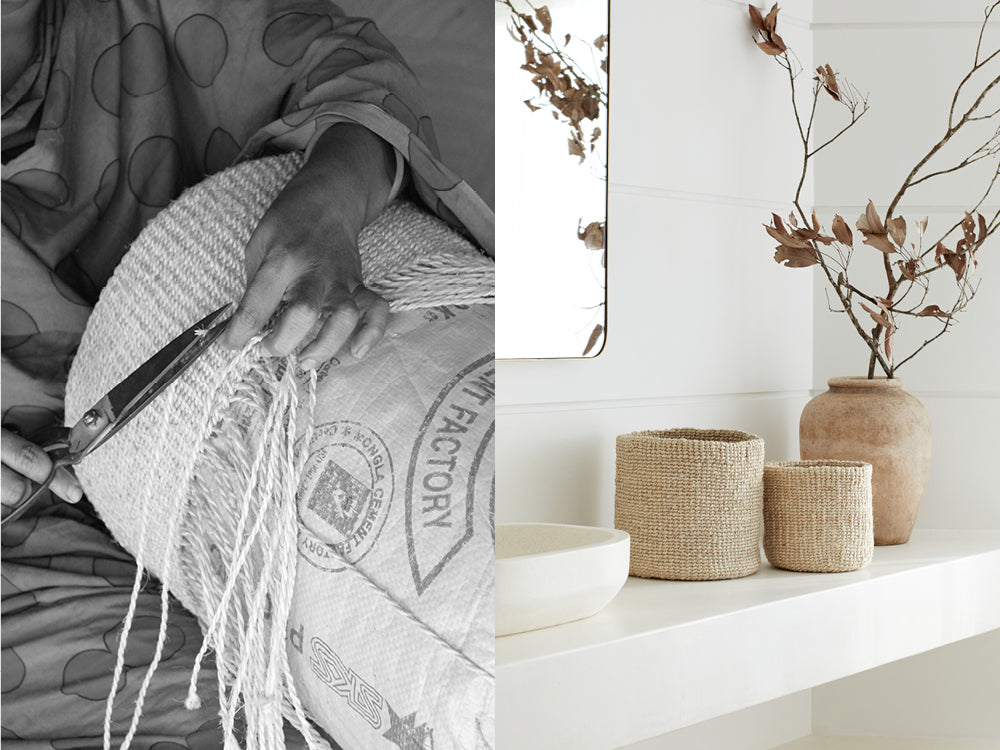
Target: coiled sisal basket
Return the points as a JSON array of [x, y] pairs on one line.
[[336, 549], [691, 501], [818, 515]]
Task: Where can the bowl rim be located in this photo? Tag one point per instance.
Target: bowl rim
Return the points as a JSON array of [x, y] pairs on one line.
[[615, 536]]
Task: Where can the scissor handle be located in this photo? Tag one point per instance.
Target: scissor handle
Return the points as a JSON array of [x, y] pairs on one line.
[[13, 512]]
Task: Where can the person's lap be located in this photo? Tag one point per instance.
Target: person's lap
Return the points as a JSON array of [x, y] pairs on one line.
[[66, 590]]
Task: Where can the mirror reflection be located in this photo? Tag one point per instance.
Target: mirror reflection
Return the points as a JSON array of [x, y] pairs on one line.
[[551, 145]]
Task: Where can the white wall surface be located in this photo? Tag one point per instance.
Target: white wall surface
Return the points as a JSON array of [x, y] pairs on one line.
[[761, 727], [704, 329], [952, 691], [909, 57]]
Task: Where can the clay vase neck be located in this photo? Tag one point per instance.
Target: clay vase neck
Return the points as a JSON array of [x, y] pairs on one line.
[[874, 420]]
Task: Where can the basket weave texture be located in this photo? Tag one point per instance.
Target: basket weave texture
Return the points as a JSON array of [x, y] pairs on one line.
[[691, 501], [818, 515]]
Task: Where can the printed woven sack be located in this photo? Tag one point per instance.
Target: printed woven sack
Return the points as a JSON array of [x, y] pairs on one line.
[[332, 531]]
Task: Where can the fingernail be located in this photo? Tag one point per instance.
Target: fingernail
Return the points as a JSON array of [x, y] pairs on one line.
[[307, 364], [361, 351], [75, 493]]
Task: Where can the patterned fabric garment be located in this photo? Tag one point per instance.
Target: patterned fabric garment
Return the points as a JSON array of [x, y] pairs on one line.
[[129, 103], [123, 105]]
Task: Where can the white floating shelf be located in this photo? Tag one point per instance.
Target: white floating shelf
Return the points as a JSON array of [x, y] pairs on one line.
[[665, 655], [843, 742]]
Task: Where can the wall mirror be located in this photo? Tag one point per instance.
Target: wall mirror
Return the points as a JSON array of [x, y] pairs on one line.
[[551, 85]]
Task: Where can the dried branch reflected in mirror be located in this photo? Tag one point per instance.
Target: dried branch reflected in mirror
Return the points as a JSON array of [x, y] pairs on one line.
[[551, 149]]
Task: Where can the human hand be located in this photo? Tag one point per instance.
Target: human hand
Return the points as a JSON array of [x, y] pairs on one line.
[[24, 463], [303, 256]]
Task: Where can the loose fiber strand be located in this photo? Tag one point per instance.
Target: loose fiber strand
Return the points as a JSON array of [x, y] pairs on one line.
[[145, 499], [239, 555], [168, 565]]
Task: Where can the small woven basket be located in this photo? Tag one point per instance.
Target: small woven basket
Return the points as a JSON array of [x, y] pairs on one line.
[[691, 501], [818, 515]]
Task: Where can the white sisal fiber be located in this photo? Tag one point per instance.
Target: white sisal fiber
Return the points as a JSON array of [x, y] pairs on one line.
[[202, 486]]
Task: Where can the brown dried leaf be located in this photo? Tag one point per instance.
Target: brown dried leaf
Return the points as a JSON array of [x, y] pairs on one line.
[[595, 135], [969, 228], [909, 268], [576, 148], [872, 228], [957, 263], [897, 230], [532, 107], [545, 18], [940, 252], [778, 223], [787, 239], [935, 311], [877, 316], [842, 232], [566, 41], [601, 41], [828, 78], [771, 22], [592, 235], [879, 242], [795, 257], [528, 21], [792, 220], [595, 335], [771, 48], [982, 227], [954, 260], [871, 221], [757, 18]]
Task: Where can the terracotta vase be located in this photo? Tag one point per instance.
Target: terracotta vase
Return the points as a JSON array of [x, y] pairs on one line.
[[876, 421]]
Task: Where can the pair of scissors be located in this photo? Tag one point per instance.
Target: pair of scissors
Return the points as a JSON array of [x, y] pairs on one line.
[[123, 402]]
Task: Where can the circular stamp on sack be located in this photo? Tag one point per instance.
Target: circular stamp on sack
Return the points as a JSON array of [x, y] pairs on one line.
[[344, 495]]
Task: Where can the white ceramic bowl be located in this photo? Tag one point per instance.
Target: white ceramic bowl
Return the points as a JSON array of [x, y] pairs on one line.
[[549, 573]]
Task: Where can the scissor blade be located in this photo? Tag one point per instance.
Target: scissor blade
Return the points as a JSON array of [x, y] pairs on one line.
[[145, 383]]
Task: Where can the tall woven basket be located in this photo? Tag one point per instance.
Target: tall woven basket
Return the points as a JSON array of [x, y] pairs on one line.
[[691, 501], [818, 515]]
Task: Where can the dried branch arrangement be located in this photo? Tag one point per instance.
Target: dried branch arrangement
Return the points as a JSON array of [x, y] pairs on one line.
[[575, 94], [566, 89], [909, 260]]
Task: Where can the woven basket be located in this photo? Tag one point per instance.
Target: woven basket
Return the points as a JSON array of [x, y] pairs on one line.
[[818, 515], [691, 500]]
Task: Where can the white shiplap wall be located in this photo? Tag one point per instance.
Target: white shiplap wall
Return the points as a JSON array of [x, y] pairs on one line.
[[704, 330]]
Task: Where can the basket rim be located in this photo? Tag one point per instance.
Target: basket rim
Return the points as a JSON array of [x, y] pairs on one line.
[[694, 435], [816, 463]]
